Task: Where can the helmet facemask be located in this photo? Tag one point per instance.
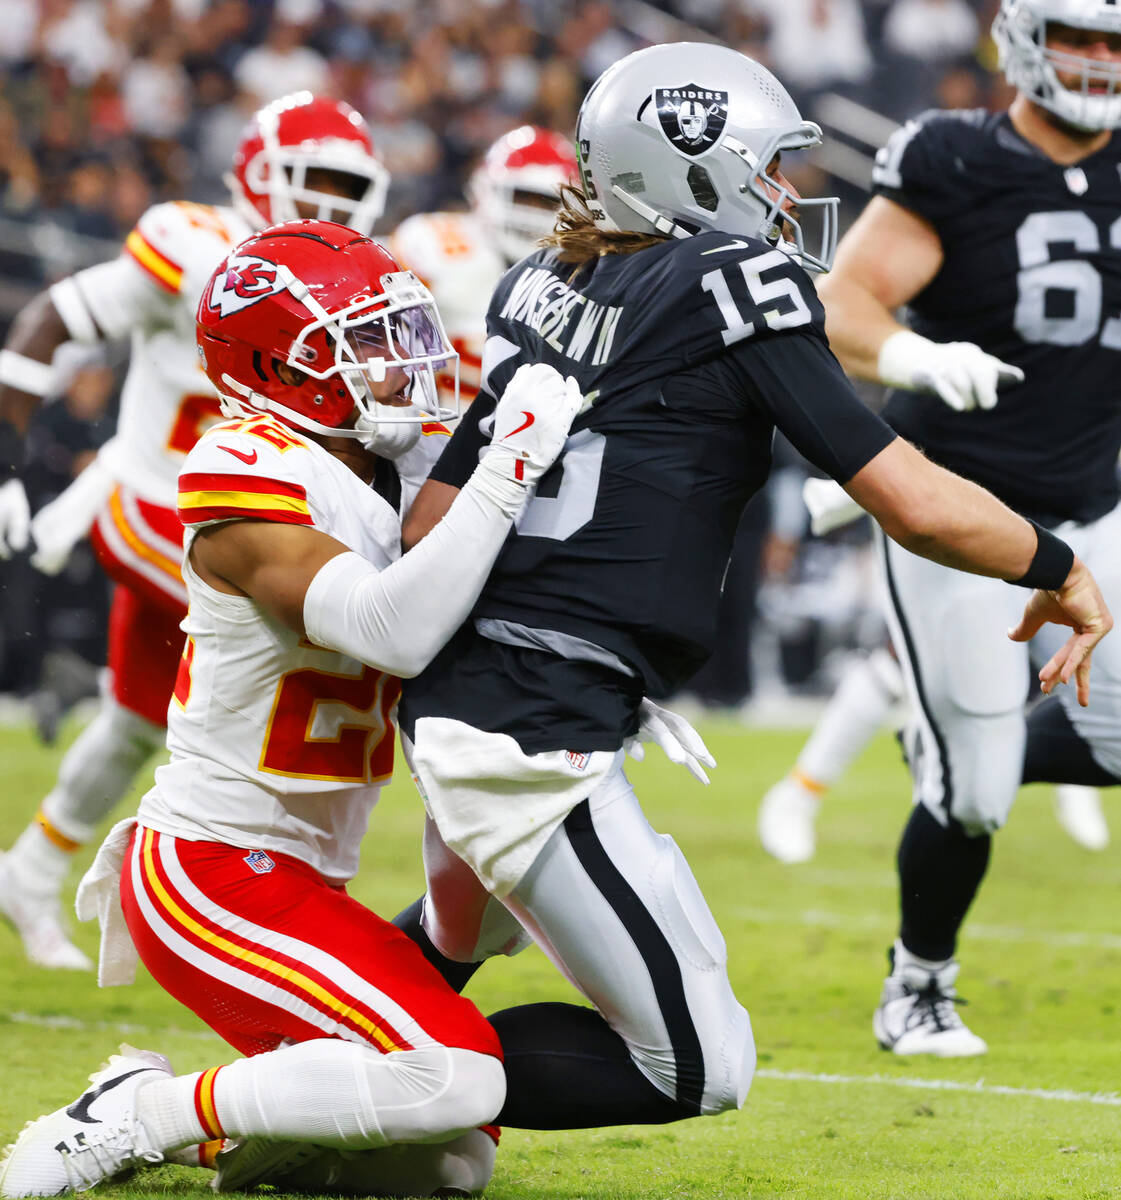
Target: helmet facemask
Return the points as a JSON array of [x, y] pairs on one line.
[[397, 328], [281, 173], [1033, 68]]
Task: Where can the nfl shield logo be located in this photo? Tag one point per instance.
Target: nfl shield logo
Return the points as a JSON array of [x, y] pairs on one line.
[[259, 862], [577, 759], [692, 117]]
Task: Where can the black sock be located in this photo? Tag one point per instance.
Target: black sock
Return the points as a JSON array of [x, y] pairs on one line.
[[940, 870], [566, 1068], [1056, 753], [455, 973]]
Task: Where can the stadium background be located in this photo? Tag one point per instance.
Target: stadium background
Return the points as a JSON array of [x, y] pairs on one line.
[[108, 106]]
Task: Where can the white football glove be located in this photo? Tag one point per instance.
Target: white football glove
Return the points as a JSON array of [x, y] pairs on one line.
[[389, 438], [829, 505], [15, 518], [681, 743], [59, 526], [960, 373], [531, 422]]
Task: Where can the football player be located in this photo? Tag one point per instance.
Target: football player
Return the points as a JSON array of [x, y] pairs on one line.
[[677, 290], [299, 156], [1000, 232], [514, 193], [230, 882]]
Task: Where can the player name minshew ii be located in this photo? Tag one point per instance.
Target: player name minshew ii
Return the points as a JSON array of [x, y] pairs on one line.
[[566, 320]]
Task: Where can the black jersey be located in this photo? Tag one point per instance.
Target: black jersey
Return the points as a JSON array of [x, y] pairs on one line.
[[1032, 274], [694, 351]]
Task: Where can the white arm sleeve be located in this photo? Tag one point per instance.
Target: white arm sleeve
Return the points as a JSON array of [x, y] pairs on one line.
[[398, 619]]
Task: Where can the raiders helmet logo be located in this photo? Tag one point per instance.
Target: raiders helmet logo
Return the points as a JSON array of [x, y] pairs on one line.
[[245, 280], [692, 117]]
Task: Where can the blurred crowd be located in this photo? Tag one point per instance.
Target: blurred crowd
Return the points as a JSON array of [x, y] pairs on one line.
[[108, 106]]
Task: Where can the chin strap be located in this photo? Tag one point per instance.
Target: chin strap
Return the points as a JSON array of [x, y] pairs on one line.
[[661, 224], [262, 403]]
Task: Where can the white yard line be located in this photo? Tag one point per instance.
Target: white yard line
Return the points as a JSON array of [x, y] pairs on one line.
[[985, 933], [1111, 1099]]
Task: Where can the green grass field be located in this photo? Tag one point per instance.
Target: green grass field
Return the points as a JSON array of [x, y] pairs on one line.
[[830, 1115]]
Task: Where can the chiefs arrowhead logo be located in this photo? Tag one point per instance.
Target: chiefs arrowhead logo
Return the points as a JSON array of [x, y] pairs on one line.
[[245, 280]]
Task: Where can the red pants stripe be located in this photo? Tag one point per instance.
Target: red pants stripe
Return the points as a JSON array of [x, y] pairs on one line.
[[270, 951]]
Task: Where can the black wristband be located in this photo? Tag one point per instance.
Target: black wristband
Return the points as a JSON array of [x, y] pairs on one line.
[[11, 451], [1051, 563]]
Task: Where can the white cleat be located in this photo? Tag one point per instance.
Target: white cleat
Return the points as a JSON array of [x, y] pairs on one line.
[[245, 1162], [1079, 812], [38, 921], [93, 1139], [917, 1014], [786, 821]]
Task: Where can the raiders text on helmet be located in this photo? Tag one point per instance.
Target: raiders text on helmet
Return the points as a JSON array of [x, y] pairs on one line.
[[338, 312], [676, 139], [1020, 32], [294, 136]]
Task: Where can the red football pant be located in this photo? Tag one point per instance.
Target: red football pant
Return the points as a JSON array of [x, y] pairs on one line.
[[263, 949]]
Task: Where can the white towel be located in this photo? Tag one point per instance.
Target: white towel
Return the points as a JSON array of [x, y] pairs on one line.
[[99, 895], [495, 805]]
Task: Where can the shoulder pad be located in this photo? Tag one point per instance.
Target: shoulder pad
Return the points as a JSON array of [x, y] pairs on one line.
[[433, 244], [750, 288], [169, 237], [925, 145], [242, 469]]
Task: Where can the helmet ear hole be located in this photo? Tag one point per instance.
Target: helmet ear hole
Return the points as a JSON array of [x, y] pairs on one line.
[[701, 185], [287, 374]]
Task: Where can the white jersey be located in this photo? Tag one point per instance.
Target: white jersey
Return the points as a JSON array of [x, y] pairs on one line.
[[276, 744], [452, 254], [151, 292]]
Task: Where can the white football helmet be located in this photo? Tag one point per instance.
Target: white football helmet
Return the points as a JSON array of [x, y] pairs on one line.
[[677, 139], [1020, 32]]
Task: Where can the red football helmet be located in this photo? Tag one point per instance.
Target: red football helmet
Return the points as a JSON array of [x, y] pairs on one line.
[[301, 318], [515, 190], [295, 136]]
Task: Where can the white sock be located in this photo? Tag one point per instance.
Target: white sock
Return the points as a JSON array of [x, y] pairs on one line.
[[854, 715], [330, 1092], [40, 859], [903, 957]]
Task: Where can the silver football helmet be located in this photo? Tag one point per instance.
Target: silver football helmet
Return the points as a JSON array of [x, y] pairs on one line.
[[677, 139], [1020, 32]]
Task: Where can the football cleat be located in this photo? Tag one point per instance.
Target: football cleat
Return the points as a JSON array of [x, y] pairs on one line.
[[92, 1139], [917, 1013], [1079, 811], [38, 921], [786, 821], [245, 1162]]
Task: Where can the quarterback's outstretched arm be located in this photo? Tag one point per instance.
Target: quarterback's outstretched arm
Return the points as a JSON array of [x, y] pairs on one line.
[[398, 618], [888, 256], [941, 516]]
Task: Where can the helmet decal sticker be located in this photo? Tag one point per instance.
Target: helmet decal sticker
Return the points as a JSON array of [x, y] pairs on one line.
[[692, 117], [245, 280]]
